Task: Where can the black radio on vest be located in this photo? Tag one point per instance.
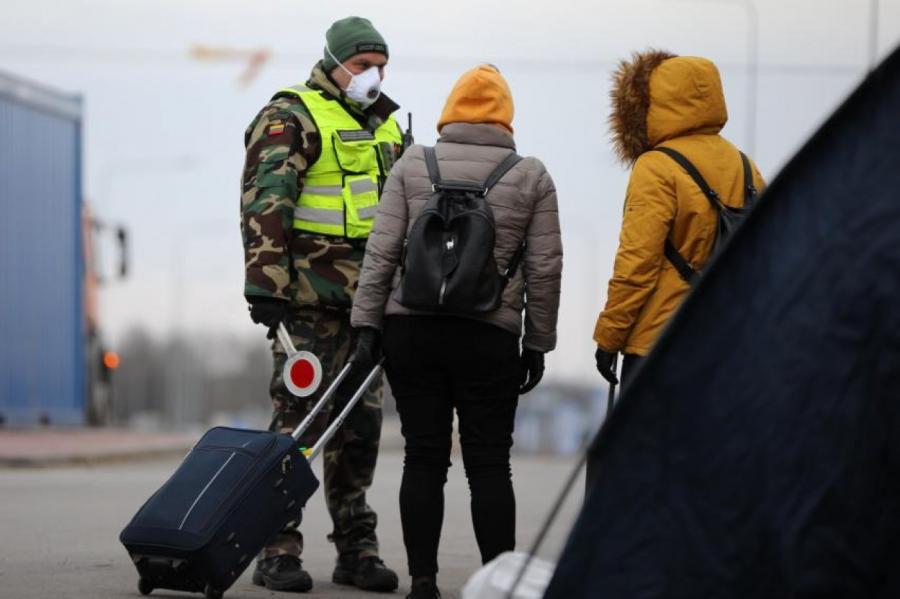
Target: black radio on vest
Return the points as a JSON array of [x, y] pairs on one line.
[[448, 260]]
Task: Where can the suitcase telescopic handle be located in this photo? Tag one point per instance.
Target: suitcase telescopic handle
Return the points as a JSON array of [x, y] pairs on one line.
[[329, 432], [321, 403]]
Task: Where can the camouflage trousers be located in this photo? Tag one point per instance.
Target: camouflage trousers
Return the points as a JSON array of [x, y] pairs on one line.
[[349, 458]]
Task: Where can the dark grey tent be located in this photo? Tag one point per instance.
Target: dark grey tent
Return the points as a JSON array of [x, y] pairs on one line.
[[757, 454]]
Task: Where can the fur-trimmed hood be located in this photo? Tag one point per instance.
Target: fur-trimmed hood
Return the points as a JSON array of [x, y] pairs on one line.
[[657, 96]]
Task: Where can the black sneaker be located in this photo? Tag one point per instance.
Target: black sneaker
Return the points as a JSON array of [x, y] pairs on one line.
[[368, 573], [424, 590], [282, 573]]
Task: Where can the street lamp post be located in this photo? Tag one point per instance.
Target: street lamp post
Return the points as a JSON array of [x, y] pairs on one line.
[[873, 35], [152, 165], [752, 71], [184, 379]]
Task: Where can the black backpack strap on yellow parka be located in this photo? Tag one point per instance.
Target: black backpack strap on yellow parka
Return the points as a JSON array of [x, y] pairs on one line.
[[750, 190], [685, 270]]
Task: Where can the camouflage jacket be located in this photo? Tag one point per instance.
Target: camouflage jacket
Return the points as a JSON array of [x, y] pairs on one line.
[[282, 142]]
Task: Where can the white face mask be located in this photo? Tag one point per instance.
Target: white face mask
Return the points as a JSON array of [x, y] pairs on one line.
[[363, 88]]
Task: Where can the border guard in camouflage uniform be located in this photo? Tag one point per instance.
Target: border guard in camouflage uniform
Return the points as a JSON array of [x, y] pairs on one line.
[[317, 157]]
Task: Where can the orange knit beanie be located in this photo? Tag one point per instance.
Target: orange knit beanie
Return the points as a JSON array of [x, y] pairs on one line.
[[481, 95]]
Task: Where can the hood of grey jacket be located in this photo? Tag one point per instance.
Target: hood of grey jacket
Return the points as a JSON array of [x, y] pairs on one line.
[[477, 134]]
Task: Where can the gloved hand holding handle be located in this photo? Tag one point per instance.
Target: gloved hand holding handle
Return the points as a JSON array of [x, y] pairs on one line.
[[606, 365], [367, 351]]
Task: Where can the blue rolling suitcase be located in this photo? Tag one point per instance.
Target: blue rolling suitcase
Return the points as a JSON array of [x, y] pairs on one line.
[[233, 492]]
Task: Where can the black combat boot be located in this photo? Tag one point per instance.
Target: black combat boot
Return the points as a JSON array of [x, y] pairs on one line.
[[425, 589], [367, 573], [282, 573]]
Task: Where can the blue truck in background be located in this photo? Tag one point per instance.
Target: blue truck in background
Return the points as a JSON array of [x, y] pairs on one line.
[[52, 368]]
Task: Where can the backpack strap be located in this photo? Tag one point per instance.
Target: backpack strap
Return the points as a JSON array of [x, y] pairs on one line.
[[686, 164], [513, 266], [431, 162], [511, 160], [681, 265], [685, 270], [749, 189], [507, 163]]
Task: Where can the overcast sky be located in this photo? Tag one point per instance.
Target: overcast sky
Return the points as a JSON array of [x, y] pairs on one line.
[[164, 132]]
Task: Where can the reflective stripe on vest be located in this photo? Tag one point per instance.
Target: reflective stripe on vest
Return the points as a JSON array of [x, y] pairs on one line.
[[340, 190]]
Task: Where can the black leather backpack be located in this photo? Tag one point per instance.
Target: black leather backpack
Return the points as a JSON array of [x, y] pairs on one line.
[[448, 258]]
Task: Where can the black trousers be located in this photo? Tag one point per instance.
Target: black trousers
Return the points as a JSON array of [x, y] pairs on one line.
[[436, 365], [630, 362]]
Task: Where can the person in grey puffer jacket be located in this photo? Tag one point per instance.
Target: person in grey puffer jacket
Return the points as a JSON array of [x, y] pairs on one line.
[[473, 364]]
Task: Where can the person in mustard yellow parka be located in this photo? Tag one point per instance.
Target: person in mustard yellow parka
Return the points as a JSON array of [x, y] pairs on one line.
[[663, 100]]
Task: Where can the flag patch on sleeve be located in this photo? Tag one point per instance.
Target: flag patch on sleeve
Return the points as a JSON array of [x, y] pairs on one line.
[[276, 128]]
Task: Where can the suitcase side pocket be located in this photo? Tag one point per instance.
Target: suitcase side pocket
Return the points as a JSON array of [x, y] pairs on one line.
[[199, 489]]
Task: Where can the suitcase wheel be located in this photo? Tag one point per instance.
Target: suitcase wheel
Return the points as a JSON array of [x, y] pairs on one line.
[[145, 586], [211, 593]]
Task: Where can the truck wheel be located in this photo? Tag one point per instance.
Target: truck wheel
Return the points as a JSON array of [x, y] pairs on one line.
[[211, 593], [145, 586]]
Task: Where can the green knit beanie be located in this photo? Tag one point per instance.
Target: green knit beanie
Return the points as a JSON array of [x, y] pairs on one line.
[[349, 37]]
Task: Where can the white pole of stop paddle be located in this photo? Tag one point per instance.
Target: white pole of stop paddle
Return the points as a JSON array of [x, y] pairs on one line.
[[285, 338], [321, 403], [343, 415]]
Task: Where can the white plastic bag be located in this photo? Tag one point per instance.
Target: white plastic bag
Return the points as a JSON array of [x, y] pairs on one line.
[[494, 580]]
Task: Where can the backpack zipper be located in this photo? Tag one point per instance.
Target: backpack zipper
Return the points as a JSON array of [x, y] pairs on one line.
[[448, 247]]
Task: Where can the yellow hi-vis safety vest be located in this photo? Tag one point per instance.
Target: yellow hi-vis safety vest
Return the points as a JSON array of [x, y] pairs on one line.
[[340, 190]]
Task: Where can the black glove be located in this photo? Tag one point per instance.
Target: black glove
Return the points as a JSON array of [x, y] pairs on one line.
[[367, 351], [267, 311], [532, 369], [606, 365]]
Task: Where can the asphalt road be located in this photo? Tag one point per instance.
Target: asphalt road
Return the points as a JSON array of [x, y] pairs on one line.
[[59, 528]]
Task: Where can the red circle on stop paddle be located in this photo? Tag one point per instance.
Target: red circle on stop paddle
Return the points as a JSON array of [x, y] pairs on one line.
[[302, 373]]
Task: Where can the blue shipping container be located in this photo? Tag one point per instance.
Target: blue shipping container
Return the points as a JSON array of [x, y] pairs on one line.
[[42, 353]]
